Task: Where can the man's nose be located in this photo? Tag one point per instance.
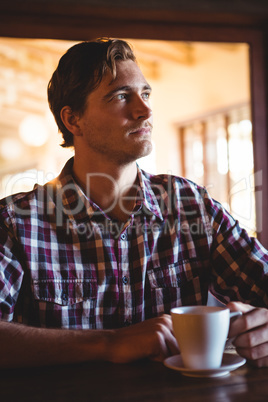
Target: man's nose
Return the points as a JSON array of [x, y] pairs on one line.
[[141, 109]]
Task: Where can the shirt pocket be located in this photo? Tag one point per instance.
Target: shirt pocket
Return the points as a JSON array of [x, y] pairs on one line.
[[60, 303], [64, 292], [177, 284]]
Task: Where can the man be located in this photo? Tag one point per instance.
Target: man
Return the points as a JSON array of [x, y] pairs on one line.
[[92, 262]]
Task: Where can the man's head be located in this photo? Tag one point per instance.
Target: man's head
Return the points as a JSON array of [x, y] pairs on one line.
[[80, 71]]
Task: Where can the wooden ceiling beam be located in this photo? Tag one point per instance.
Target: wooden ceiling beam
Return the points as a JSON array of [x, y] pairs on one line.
[[79, 20]]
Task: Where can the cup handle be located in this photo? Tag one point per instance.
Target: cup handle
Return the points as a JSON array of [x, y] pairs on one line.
[[234, 314]]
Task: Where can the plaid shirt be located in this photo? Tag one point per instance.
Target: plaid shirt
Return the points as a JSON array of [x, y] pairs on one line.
[[65, 263]]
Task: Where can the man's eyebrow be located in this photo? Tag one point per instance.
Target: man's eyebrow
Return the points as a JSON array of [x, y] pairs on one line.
[[127, 88]]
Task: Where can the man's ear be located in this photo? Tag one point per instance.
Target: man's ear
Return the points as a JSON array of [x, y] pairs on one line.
[[70, 120]]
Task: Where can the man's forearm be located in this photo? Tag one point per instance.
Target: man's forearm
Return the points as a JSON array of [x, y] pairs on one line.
[[23, 346]]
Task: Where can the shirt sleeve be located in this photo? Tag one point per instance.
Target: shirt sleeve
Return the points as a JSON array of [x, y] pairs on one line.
[[239, 262], [11, 272]]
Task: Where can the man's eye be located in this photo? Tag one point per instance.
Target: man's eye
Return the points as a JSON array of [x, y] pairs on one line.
[[146, 95], [120, 96]]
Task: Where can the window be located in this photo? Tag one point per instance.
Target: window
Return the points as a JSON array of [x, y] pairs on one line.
[[217, 152]]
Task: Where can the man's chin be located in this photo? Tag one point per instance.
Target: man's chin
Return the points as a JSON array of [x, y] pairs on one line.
[[136, 153], [144, 148], [147, 149]]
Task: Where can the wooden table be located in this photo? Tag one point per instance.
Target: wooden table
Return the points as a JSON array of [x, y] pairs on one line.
[[140, 381]]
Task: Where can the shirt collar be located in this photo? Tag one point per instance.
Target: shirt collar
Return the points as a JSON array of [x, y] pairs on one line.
[[79, 207], [149, 197], [70, 197]]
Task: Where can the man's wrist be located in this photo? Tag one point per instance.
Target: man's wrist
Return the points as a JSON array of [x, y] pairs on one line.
[[100, 348]]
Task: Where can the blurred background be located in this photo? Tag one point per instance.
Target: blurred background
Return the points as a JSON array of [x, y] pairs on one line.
[[201, 105]]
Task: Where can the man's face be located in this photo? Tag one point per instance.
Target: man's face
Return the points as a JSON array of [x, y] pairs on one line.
[[117, 121]]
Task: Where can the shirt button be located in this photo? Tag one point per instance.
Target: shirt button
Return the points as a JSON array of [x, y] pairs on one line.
[[125, 280], [64, 297], [123, 236]]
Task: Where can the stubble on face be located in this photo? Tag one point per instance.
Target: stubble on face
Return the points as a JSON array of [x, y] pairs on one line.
[[109, 128], [116, 153]]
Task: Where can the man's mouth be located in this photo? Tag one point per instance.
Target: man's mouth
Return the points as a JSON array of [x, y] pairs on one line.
[[142, 130]]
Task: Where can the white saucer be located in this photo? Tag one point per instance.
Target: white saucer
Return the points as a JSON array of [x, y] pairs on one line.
[[229, 362]]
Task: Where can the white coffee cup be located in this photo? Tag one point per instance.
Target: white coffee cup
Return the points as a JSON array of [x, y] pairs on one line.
[[201, 333]]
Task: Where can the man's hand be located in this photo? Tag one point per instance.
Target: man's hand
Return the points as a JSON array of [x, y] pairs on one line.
[[250, 333], [152, 338]]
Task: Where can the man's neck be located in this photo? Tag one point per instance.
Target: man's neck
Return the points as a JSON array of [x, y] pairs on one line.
[[111, 187]]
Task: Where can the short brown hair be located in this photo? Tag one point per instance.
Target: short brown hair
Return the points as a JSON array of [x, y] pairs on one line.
[[79, 72]]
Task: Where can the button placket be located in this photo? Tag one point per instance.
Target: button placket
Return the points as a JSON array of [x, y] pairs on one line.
[[125, 277]]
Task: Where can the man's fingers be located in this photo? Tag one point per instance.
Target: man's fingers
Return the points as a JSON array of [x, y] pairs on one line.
[[258, 356], [172, 344], [252, 338], [167, 344], [251, 319], [171, 341], [250, 333], [239, 306]]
